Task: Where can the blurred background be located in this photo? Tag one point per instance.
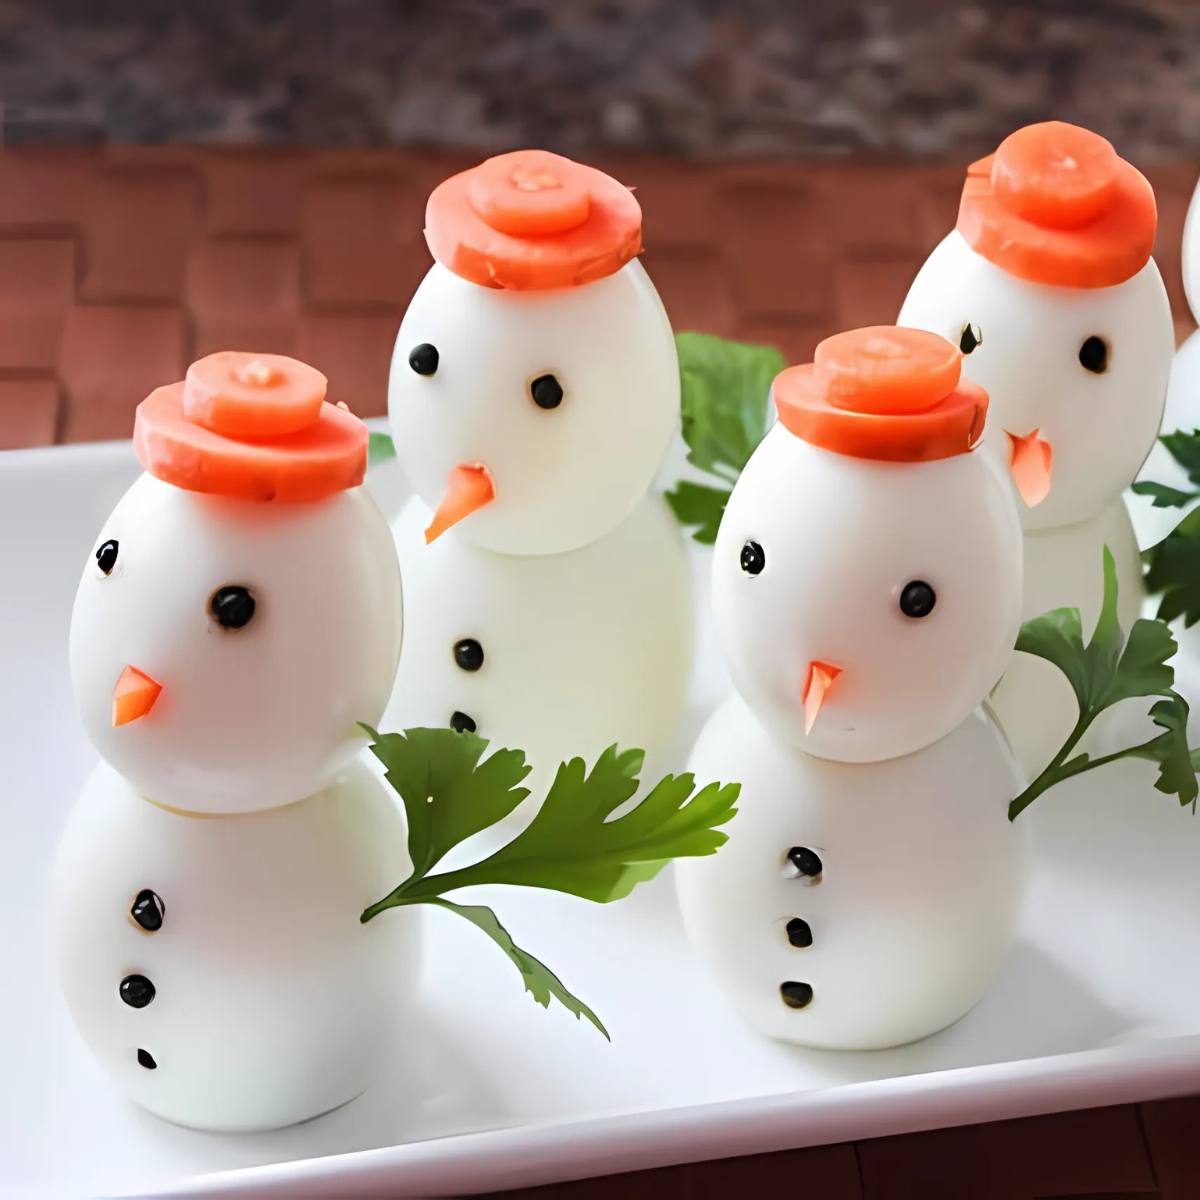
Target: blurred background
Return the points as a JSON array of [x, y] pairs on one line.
[[177, 178]]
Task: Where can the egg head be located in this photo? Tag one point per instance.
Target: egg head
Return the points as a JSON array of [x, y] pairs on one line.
[[534, 385], [240, 610], [1191, 253], [1048, 288], [867, 572]]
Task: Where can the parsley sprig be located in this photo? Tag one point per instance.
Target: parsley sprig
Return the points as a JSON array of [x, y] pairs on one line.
[[1109, 669], [574, 844], [1184, 448], [723, 404], [380, 448], [1173, 565]]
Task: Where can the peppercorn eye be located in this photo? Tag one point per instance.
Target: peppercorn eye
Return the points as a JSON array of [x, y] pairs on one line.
[[970, 338], [1093, 355], [106, 556], [232, 605], [546, 392], [468, 654], [424, 359], [917, 599], [753, 559]]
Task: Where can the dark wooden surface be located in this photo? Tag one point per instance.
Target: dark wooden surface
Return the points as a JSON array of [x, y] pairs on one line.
[[721, 78], [1145, 1151]]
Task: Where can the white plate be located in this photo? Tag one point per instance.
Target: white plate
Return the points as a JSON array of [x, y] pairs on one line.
[[1099, 1004]]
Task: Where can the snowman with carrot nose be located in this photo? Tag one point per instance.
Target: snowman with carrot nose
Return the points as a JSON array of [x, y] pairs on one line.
[[534, 392], [1048, 287], [239, 613], [866, 584]]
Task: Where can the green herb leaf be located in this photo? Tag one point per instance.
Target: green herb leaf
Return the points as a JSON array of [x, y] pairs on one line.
[[1176, 764], [1164, 496], [1109, 669], [1057, 636], [448, 794], [723, 407], [725, 386], [1184, 448], [574, 844], [380, 448], [701, 506], [1173, 569], [540, 982], [1144, 666], [1173, 565]]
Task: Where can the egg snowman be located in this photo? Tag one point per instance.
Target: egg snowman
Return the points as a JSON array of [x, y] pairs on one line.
[[239, 613], [1183, 390], [1048, 286], [534, 391], [866, 587]]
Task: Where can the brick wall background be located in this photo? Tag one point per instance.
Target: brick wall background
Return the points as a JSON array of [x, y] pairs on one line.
[[118, 266]]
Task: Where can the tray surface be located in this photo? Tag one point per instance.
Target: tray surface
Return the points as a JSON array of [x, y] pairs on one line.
[[1100, 1002]]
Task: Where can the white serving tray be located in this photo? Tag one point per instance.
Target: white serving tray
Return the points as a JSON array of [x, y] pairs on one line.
[[1099, 1004]]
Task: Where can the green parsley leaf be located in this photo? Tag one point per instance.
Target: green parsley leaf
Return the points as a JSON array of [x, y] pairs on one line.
[[575, 844], [1184, 448], [725, 386], [1164, 496], [1109, 669], [1057, 636], [699, 505], [723, 406], [1173, 569], [380, 448], [1176, 766], [1173, 565], [448, 794], [540, 982]]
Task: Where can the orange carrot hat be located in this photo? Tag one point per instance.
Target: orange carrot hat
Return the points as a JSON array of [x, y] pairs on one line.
[[883, 393], [251, 426], [1056, 204], [532, 220]]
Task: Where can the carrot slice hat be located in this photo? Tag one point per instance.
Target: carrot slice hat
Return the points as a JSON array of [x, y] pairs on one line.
[[531, 221], [883, 393], [250, 426], [1056, 204]]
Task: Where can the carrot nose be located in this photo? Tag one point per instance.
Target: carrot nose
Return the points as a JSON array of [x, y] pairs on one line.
[[817, 683], [1031, 464], [469, 487], [134, 696]]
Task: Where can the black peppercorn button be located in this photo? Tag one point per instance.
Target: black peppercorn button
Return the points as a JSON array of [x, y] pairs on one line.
[[148, 910], [796, 995], [917, 599], [424, 359], [146, 1059], [805, 861], [546, 391], [799, 933], [461, 723], [137, 991], [106, 556], [468, 654], [233, 606]]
